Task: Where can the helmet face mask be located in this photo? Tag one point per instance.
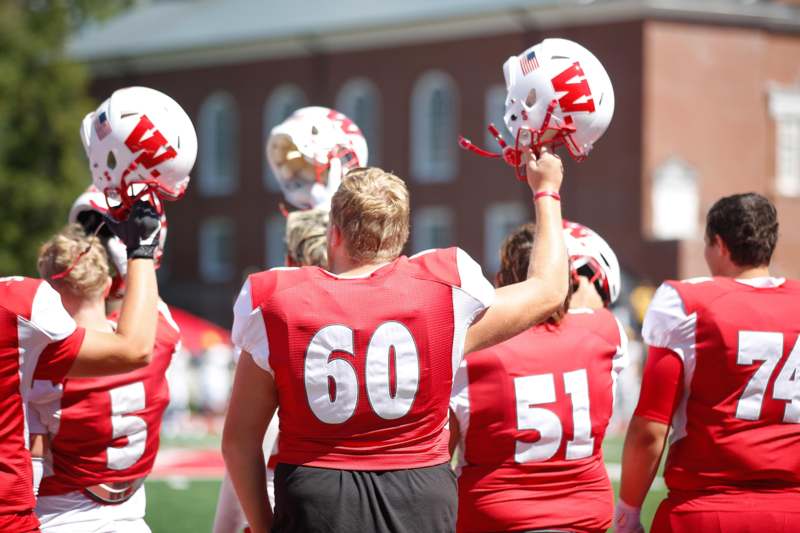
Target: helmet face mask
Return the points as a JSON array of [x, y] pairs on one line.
[[592, 257], [88, 210], [310, 152], [140, 144], [293, 169]]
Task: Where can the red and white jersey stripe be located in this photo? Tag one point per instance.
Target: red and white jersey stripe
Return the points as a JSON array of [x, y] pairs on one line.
[[38, 339]]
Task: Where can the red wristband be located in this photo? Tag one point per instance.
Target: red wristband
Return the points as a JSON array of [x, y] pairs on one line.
[[551, 194]]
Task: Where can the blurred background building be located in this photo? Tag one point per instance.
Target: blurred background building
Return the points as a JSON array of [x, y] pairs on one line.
[[707, 104]]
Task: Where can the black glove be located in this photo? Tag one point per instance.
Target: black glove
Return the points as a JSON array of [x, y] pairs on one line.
[[140, 231]]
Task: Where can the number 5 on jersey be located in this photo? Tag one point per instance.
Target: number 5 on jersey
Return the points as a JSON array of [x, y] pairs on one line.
[[125, 400], [332, 383]]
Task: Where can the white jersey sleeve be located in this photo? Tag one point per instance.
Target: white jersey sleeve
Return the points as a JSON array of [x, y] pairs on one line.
[[471, 298], [48, 337], [48, 315], [666, 324], [459, 399], [621, 358], [249, 333], [44, 405], [473, 281], [459, 406]]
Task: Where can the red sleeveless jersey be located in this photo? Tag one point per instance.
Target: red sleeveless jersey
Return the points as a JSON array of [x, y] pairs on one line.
[[37, 339], [532, 414], [737, 425], [363, 366], [106, 429]]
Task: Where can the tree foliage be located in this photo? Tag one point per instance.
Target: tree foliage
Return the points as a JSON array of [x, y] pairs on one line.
[[43, 98]]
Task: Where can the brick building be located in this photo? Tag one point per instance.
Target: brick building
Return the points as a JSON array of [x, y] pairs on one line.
[[707, 92]]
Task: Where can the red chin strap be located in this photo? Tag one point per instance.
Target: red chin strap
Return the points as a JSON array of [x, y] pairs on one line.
[[547, 135], [152, 191]]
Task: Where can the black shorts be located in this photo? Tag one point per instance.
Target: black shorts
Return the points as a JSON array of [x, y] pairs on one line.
[[324, 500]]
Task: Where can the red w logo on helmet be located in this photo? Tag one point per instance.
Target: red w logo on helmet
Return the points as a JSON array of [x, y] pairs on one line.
[[574, 91], [149, 146]]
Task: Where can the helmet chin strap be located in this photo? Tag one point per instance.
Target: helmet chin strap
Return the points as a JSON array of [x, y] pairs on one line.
[[335, 170], [547, 135]]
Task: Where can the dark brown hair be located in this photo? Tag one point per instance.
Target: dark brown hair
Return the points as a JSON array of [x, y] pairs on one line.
[[748, 225], [515, 256]]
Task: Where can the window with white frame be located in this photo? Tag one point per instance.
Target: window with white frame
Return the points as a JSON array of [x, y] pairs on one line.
[[432, 227], [495, 108], [675, 201], [275, 241], [359, 99], [784, 106], [218, 129], [216, 250], [434, 128], [501, 219], [282, 102]]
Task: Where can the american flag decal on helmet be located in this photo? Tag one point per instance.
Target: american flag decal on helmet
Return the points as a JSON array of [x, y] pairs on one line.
[[528, 62], [101, 126]]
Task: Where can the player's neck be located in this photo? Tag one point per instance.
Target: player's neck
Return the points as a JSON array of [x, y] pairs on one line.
[[88, 314], [355, 270], [737, 272], [344, 266], [585, 296]]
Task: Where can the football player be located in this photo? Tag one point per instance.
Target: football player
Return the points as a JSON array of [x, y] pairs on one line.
[[141, 146], [362, 357], [722, 371], [38, 339], [305, 245], [529, 415], [308, 154], [101, 435]]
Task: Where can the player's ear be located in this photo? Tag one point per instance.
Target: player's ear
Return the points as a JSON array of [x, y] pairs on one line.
[[335, 236], [724, 251], [107, 288]]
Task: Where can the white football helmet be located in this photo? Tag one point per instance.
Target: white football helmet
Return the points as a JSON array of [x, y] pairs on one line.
[[140, 143], [560, 93], [88, 210], [591, 256], [310, 152]]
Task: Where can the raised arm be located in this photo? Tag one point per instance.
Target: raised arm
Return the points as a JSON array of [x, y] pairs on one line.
[[131, 346], [521, 305]]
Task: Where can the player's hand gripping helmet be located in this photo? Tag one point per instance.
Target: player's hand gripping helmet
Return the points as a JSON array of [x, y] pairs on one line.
[[140, 144], [310, 152], [558, 93], [591, 256], [88, 210]]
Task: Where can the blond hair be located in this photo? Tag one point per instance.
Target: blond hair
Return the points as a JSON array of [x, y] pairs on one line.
[[305, 237], [80, 257], [371, 208]]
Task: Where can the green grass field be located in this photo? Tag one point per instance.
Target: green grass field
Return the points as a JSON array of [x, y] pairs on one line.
[[180, 506]]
